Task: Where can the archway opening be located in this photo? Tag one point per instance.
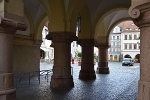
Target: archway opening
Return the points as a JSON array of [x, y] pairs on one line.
[[137, 58], [127, 56], [47, 52]]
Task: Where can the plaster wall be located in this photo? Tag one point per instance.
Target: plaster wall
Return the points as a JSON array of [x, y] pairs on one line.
[[15, 7], [26, 58]]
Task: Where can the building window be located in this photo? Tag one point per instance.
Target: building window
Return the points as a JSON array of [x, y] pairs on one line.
[[113, 37], [117, 37], [130, 46], [125, 37], [135, 37], [132, 24], [73, 44], [113, 43], [135, 46], [76, 45], [117, 43], [130, 37], [128, 29], [125, 46], [114, 50]]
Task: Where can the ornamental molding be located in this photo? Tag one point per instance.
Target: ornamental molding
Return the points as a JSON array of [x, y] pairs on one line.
[[12, 21], [86, 42], [140, 14], [61, 36], [101, 45]]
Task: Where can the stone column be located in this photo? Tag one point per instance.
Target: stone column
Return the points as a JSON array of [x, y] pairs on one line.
[[61, 77], [141, 16], [9, 24], [103, 58], [87, 66]]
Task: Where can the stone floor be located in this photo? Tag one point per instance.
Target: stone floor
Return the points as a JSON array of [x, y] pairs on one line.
[[120, 84]]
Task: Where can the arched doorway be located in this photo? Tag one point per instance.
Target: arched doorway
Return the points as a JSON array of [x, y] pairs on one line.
[[127, 56], [115, 58], [111, 57], [137, 58]]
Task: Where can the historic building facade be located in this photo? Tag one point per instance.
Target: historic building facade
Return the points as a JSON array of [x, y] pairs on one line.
[[129, 39], [124, 41], [114, 51], [22, 22], [48, 51]]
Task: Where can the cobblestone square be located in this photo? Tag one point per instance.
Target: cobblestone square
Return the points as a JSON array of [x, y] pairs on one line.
[[120, 84]]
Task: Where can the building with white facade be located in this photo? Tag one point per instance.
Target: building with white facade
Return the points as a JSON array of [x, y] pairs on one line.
[[114, 52], [126, 35], [48, 52], [129, 38]]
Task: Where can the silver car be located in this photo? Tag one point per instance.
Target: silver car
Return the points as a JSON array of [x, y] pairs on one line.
[[128, 62]]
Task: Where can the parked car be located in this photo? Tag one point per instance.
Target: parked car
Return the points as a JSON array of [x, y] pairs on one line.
[[128, 62]]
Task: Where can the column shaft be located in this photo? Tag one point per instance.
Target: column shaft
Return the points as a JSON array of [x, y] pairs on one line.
[[103, 58], [140, 14], [7, 28], [103, 61], [61, 77], [7, 92], [87, 66]]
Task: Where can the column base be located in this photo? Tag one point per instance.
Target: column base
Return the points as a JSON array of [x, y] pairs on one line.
[[86, 75], [61, 83], [102, 70], [143, 90], [8, 94]]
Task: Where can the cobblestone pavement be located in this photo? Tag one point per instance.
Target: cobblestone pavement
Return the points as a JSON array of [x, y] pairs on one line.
[[120, 84]]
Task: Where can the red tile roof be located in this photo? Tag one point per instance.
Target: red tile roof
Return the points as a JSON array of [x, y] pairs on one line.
[[128, 26]]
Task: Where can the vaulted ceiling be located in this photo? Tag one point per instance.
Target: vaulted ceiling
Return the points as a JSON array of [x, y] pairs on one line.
[[63, 13]]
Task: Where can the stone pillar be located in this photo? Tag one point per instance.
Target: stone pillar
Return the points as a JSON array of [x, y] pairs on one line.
[[9, 24], [61, 77], [141, 16], [87, 66], [103, 58]]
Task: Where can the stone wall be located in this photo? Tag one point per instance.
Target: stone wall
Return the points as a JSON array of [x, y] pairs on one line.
[[26, 58]]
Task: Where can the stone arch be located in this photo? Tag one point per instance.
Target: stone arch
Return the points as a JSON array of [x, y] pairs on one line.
[[39, 27], [127, 56], [84, 15], [74, 13], [115, 23], [111, 57], [58, 20], [107, 11], [30, 21], [99, 21], [115, 58], [85, 24], [137, 58]]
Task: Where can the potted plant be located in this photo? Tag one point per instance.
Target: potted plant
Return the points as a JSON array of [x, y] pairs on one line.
[[95, 58], [79, 54]]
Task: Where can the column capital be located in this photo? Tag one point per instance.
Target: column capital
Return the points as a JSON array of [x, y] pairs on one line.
[[101, 45], [140, 14], [10, 21], [86, 42], [61, 36]]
